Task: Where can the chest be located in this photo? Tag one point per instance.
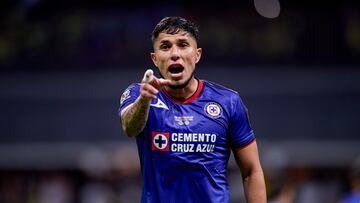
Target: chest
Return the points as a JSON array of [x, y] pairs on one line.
[[200, 116], [199, 126]]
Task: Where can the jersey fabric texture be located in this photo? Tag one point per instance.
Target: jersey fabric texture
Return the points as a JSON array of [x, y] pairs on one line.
[[185, 146], [352, 198]]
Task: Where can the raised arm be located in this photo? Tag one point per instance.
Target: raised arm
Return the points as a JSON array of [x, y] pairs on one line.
[[135, 115], [253, 177]]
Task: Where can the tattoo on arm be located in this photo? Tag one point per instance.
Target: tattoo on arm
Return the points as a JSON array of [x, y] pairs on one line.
[[134, 118]]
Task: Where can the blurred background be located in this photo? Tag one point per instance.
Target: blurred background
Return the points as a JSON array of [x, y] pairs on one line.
[[64, 65]]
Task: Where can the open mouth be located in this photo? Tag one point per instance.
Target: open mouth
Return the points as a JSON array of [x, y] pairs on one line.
[[176, 68]]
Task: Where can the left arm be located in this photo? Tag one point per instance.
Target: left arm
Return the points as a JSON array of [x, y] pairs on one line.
[[253, 177]]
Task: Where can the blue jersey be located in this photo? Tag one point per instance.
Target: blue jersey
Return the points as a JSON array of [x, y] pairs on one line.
[[352, 198], [185, 146]]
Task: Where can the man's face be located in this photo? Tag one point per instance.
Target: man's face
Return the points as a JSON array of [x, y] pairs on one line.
[[176, 55]]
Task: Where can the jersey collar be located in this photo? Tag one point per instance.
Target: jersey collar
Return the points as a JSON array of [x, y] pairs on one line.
[[190, 99]]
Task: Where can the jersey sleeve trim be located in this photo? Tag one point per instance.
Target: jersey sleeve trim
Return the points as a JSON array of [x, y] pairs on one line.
[[125, 108], [245, 145], [244, 140]]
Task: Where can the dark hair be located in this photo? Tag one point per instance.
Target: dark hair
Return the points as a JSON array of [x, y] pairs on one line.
[[173, 25]]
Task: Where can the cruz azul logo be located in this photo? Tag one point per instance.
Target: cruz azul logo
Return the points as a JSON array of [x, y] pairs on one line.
[[160, 141], [213, 109], [183, 142]]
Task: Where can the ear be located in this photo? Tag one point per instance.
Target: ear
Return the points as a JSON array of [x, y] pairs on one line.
[[198, 55], [153, 58]]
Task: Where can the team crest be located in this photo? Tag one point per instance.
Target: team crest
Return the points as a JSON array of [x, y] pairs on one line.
[[160, 141], [125, 96], [213, 109]]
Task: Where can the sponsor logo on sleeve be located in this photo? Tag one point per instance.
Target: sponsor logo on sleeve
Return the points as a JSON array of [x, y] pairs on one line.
[[125, 96]]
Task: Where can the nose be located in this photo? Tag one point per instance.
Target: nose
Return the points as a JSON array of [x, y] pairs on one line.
[[174, 54]]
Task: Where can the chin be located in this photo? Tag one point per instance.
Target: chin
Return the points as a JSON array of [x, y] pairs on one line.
[[180, 84]]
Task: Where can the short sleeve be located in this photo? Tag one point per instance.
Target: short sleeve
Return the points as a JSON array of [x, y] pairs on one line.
[[129, 96], [241, 133]]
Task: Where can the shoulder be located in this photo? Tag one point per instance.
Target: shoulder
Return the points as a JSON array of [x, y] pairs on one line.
[[220, 90], [132, 87], [228, 99], [130, 92]]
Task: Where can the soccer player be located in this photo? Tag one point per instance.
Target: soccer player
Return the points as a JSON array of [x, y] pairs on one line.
[[186, 128]]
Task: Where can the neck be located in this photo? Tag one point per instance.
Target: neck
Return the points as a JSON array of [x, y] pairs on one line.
[[184, 93]]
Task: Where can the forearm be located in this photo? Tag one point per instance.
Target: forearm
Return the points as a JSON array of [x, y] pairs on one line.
[[133, 119], [254, 187]]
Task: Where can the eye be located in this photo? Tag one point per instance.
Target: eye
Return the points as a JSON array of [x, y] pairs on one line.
[[183, 44], [164, 46]]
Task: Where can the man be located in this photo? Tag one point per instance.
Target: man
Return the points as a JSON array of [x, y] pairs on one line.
[[185, 127]]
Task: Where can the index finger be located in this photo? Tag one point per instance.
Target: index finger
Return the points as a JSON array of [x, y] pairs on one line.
[[148, 76], [164, 82]]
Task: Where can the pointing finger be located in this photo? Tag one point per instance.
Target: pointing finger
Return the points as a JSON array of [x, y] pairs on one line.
[[148, 76], [164, 82]]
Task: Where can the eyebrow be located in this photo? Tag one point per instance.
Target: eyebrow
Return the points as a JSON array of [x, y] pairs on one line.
[[182, 40], [164, 42], [168, 41]]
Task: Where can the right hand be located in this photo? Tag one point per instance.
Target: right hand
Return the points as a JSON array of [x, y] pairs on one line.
[[151, 85]]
